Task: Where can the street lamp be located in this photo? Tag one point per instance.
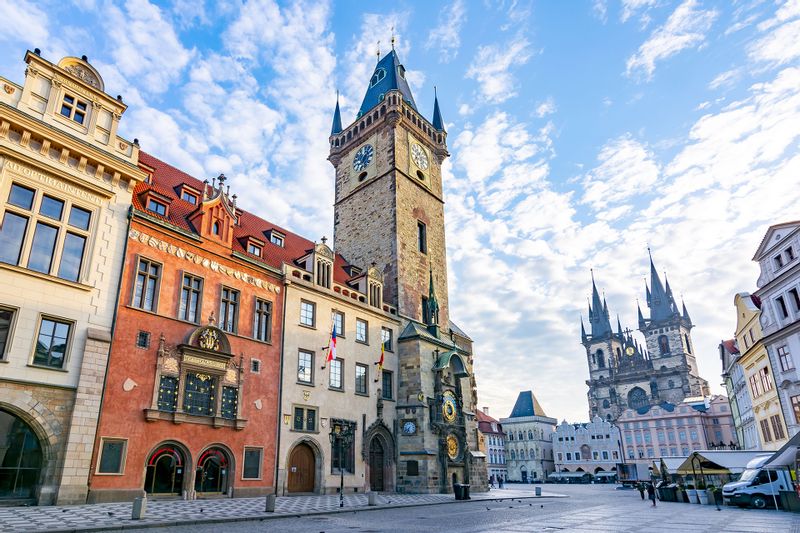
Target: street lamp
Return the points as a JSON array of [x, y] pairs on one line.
[[341, 436]]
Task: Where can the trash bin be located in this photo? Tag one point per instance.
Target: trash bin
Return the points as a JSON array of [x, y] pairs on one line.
[[465, 489], [458, 490]]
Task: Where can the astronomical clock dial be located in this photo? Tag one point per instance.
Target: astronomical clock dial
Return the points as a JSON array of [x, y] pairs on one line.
[[629, 350], [409, 427], [363, 157], [449, 407], [452, 447], [419, 157]]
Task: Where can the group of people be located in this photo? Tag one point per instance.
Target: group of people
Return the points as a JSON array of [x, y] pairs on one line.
[[499, 482], [651, 491]]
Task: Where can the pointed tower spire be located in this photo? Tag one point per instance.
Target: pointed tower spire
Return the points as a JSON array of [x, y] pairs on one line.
[[685, 313], [642, 323], [437, 115], [619, 328], [336, 128], [599, 321], [660, 308], [584, 340], [433, 307], [389, 75]]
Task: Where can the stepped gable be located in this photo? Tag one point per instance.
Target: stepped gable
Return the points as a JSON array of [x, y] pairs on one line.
[[167, 181]]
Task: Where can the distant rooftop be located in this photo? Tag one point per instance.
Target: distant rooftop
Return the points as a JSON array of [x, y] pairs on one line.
[[527, 405]]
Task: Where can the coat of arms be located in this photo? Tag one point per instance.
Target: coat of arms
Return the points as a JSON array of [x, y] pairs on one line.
[[209, 340]]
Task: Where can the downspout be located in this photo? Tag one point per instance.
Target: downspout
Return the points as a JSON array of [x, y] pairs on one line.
[[113, 326], [280, 385]]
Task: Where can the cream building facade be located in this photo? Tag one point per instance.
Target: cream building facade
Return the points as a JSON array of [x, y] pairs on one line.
[[758, 372], [529, 444], [66, 179], [590, 447], [351, 390]]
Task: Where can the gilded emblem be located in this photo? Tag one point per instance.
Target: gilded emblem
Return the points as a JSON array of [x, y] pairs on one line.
[[230, 376], [209, 340], [306, 395], [452, 447], [8, 88]]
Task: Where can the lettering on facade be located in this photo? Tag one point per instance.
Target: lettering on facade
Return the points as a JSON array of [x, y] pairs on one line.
[[53, 182], [202, 361], [192, 257]]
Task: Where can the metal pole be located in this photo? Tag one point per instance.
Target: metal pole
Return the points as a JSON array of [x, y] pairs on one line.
[[341, 473]]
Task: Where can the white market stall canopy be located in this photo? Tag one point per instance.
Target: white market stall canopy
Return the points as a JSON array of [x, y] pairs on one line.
[[717, 462]]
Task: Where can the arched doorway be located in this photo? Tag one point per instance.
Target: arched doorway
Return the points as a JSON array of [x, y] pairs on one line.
[[213, 472], [301, 469], [376, 465], [21, 459], [165, 470], [524, 473]]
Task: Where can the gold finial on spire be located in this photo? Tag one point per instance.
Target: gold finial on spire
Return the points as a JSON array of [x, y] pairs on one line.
[[392, 37]]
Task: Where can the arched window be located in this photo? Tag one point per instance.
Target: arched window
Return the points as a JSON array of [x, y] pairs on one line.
[[511, 435], [519, 436], [530, 434], [601, 359], [21, 463], [606, 404], [663, 344], [637, 398], [513, 455], [215, 228], [532, 453]]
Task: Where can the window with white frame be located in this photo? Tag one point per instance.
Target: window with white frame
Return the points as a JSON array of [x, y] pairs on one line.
[[305, 366], [44, 233], [361, 331], [785, 358], [307, 311], [229, 310], [262, 320], [335, 374], [6, 322], [338, 322]]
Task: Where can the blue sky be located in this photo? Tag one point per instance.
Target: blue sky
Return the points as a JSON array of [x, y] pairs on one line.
[[580, 132]]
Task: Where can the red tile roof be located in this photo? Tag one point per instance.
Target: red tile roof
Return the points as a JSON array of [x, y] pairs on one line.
[[167, 181], [730, 345], [483, 417]]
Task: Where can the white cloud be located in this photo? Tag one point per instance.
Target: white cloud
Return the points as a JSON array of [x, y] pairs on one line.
[[685, 28], [446, 36], [781, 45], [600, 10], [626, 168], [25, 22], [631, 7], [148, 48], [725, 79], [491, 68], [547, 107]]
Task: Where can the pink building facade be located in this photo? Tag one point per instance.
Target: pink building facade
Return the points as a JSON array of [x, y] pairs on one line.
[[668, 430]]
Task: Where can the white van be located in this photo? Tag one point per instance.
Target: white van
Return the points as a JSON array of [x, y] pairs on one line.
[[757, 487]]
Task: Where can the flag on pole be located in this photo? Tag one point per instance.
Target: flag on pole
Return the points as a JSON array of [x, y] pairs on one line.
[[380, 363], [331, 347]]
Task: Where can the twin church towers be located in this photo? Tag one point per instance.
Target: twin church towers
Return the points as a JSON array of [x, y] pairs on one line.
[[626, 374]]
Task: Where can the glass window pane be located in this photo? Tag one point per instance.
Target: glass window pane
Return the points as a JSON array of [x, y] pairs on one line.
[[21, 196], [66, 110], [79, 217], [252, 463], [111, 457], [68, 99], [81, 105], [12, 233], [44, 243], [51, 344], [78, 117], [5, 327], [51, 207], [71, 257]]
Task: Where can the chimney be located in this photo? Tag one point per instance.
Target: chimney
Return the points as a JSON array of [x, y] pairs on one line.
[[486, 411]]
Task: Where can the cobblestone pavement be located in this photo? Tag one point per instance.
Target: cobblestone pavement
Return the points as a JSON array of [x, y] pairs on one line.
[[588, 508], [173, 512]]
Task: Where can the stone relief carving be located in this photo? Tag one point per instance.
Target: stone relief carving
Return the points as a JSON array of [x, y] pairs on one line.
[[83, 74]]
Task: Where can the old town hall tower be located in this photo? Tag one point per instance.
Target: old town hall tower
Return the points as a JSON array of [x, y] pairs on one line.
[[389, 211], [626, 374]]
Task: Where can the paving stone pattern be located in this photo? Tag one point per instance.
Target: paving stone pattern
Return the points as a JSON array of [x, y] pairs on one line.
[[172, 512]]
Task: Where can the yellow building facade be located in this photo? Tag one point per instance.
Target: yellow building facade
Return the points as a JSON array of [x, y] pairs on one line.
[[758, 372]]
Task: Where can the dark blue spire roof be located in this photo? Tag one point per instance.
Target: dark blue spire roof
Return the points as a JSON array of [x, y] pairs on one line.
[[659, 301], [437, 115], [337, 119], [686, 313], [389, 75], [598, 319], [526, 405]]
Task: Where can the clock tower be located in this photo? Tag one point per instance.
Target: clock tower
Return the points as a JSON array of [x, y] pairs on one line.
[[389, 210]]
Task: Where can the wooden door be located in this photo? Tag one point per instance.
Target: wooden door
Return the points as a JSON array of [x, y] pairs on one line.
[[375, 465], [301, 469]]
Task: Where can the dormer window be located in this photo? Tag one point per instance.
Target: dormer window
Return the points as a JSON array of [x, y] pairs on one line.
[[189, 197], [157, 207], [276, 238], [377, 77], [401, 70], [254, 249], [74, 108]]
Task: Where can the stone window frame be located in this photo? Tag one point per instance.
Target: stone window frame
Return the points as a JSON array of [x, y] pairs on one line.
[[248, 447], [365, 339], [340, 362], [306, 409], [388, 343], [10, 333], [310, 381], [339, 331], [63, 227], [199, 311], [184, 367], [124, 462], [365, 392], [70, 338], [74, 108], [156, 291]]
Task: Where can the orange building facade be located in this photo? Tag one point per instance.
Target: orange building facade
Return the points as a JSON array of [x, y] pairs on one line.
[[191, 399]]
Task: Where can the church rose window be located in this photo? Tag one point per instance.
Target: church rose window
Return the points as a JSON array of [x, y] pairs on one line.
[[637, 399]]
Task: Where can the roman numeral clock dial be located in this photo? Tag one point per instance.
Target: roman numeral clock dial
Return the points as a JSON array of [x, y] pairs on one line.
[[363, 157]]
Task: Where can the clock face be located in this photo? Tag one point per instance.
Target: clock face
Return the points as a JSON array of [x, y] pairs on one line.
[[452, 447], [449, 407], [419, 157], [629, 350], [409, 428], [363, 157]]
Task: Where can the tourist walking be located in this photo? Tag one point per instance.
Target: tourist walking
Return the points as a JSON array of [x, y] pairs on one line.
[[651, 493], [640, 486]]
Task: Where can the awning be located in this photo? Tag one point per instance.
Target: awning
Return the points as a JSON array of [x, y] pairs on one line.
[[786, 455], [605, 474], [670, 465], [717, 462], [569, 474]]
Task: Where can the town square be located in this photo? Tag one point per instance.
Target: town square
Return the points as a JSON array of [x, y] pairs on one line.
[[491, 265]]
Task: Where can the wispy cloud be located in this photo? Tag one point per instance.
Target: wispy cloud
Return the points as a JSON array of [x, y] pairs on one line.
[[781, 44], [631, 8], [547, 107], [446, 36], [600, 10], [491, 68], [685, 28]]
